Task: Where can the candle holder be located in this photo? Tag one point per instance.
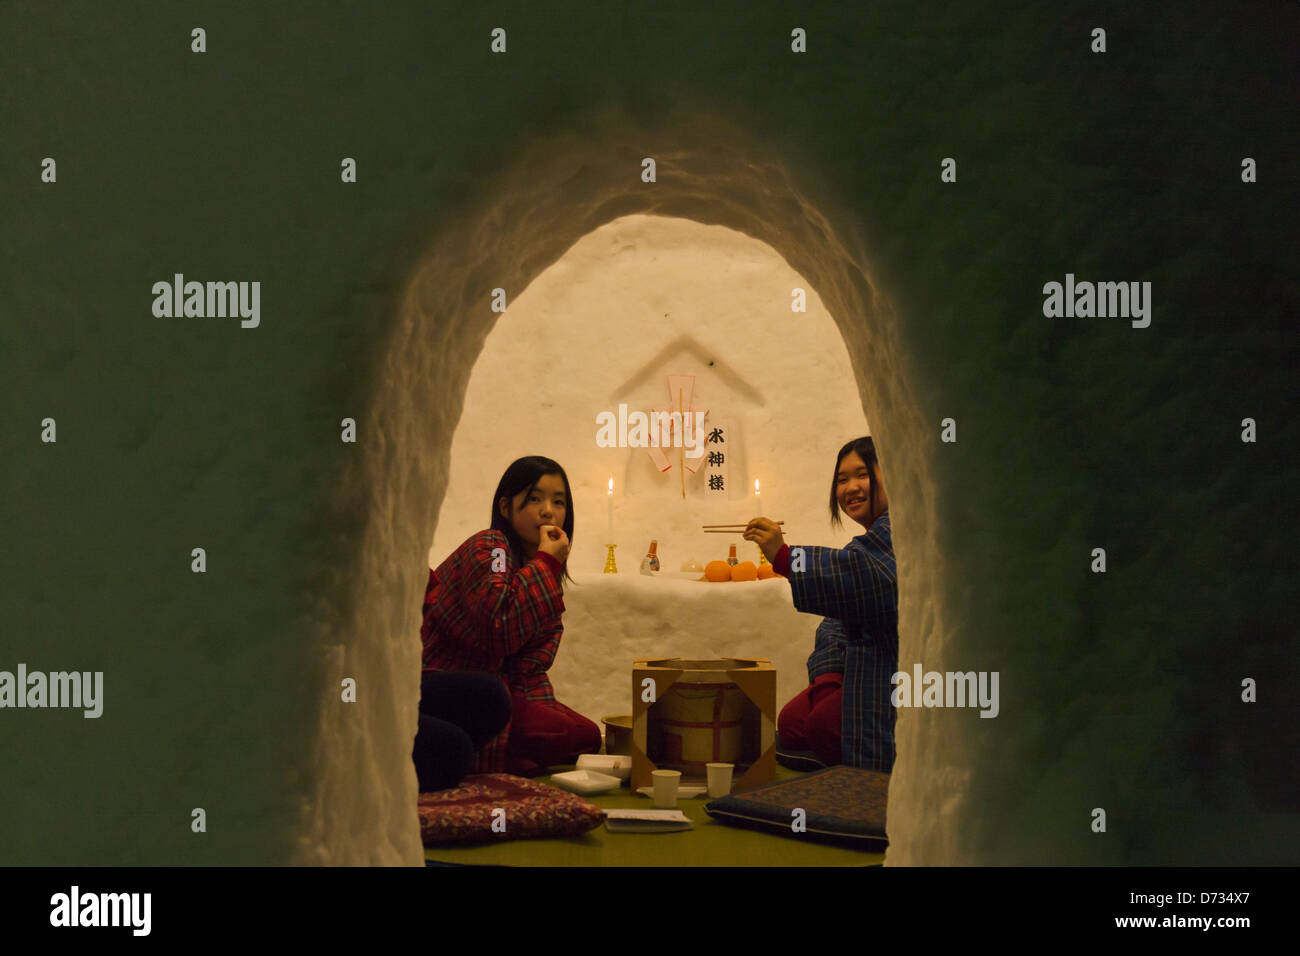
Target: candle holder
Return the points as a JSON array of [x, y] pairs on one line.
[[610, 566]]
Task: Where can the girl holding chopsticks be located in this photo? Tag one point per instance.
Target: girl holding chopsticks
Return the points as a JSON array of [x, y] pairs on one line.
[[845, 714], [494, 607]]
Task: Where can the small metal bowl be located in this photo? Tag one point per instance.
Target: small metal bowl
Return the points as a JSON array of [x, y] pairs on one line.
[[618, 734]]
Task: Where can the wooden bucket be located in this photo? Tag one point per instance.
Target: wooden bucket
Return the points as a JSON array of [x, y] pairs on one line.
[[701, 717]]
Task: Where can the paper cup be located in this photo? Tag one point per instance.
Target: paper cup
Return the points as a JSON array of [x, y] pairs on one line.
[[665, 788], [719, 779]]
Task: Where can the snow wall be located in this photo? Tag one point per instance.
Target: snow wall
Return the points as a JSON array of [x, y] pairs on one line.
[[1119, 690]]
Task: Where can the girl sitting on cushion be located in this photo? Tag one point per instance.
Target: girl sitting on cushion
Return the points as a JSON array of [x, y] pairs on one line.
[[494, 606], [845, 714]]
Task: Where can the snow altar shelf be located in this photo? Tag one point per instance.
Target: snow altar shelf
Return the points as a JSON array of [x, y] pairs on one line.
[[612, 620]]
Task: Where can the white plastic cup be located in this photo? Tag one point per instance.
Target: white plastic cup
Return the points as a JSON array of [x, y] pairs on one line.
[[665, 788], [719, 779]]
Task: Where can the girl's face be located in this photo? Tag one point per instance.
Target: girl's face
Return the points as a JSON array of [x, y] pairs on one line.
[[529, 510], [853, 490]]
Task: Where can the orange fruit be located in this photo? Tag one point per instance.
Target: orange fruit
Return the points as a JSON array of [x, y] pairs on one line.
[[744, 571], [766, 571], [718, 571]]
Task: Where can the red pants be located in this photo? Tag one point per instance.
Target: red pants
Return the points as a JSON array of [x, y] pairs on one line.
[[543, 734], [812, 720]]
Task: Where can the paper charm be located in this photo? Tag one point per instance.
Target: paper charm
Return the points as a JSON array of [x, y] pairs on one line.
[[672, 447]]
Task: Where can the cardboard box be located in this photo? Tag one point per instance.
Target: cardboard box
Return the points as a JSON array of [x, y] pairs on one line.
[[686, 711]]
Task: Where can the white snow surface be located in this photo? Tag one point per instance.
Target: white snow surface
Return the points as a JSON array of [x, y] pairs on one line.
[[613, 619], [633, 302]]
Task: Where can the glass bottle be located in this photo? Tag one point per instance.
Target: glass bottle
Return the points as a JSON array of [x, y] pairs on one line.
[[650, 563]]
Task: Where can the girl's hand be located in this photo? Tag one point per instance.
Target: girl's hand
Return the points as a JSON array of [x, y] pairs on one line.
[[554, 542], [768, 536]]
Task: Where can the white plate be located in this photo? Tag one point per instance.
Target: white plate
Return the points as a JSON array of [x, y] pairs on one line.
[[684, 791]]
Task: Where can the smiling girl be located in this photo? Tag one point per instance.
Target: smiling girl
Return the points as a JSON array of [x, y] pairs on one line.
[[495, 606], [844, 715]]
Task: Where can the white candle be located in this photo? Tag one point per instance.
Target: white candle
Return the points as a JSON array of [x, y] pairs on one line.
[[609, 513]]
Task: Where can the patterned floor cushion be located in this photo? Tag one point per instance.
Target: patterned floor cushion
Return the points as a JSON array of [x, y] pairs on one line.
[[527, 808], [841, 805]]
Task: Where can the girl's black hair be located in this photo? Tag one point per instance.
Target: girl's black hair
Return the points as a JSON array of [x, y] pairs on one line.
[[866, 450], [522, 476]]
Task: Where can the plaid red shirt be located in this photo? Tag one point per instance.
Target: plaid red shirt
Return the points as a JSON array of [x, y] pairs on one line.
[[505, 622]]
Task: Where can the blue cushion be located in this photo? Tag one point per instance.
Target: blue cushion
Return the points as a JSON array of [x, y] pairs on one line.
[[841, 805]]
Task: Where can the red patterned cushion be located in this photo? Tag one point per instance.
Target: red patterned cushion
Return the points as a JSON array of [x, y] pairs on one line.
[[531, 809]]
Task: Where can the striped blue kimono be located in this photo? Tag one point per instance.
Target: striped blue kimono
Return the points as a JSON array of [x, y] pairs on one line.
[[857, 589]]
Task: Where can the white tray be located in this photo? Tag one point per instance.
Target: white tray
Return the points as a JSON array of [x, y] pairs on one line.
[[585, 781], [611, 765]]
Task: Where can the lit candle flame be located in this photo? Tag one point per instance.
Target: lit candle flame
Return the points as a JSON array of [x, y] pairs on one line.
[[611, 486], [756, 491]]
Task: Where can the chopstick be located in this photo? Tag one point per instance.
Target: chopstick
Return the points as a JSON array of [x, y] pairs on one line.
[[742, 527]]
